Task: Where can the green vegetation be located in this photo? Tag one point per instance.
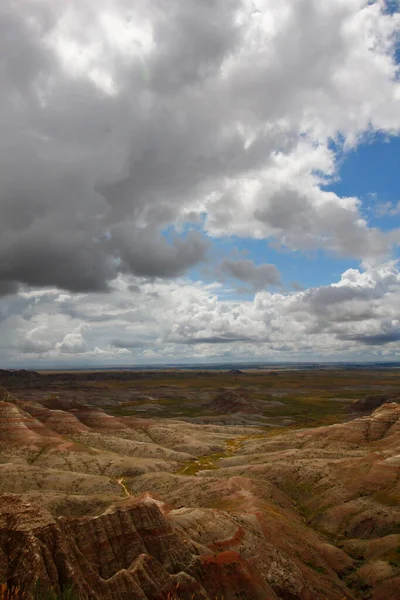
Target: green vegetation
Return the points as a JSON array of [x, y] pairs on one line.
[[41, 592], [316, 568], [34, 457], [209, 462], [307, 398], [206, 462], [67, 593]]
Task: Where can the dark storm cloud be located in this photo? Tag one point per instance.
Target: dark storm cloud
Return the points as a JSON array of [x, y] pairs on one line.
[[144, 254], [8, 287], [134, 288], [119, 119], [228, 338], [257, 276], [330, 308], [88, 179], [342, 303], [378, 339], [207, 31], [34, 347], [121, 343]]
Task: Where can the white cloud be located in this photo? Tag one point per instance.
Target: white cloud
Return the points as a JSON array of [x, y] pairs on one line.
[[387, 208], [74, 342], [355, 317]]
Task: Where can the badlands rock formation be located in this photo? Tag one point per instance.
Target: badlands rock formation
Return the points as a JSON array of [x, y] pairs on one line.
[[131, 553], [144, 508]]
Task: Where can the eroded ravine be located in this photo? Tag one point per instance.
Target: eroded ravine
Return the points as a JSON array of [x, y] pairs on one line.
[[120, 482], [209, 462]]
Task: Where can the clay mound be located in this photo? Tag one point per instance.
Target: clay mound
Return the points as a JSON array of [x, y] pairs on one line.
[[20, 478], [18, 426], [129, 553], [346, 478], [381, 424], [129, 447], [232, 401], [36, 410], [263, 540], [339, 441], [236, 493], [61, 421], [65, 423], [96, 418], [62, 403], [371, 402]]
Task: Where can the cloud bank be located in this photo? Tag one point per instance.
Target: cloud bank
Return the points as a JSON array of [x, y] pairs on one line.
[[178, 321]]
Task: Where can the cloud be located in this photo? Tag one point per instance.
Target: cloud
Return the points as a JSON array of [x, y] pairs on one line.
[[355, 318], [151, 355], [228, 338], [74, 342], [143, 254], [257, 276], [35, 347], [378, 339], [122, 122], [8, 287], [320, 219], [387, 208], [128, 343]]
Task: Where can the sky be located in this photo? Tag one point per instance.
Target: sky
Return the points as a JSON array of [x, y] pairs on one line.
[[199, 181]]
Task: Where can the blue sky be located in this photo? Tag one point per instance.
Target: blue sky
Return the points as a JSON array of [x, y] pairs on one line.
[[370, 172], [309, 269]]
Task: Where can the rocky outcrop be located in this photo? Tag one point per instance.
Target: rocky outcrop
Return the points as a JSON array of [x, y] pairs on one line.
[[127, 553], [261, 524], [18, 426], [369, 403], [20, 374], [233, 401], [346, 479]]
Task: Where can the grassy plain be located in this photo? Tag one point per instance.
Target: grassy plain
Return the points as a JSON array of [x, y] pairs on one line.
[[306, 398]]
